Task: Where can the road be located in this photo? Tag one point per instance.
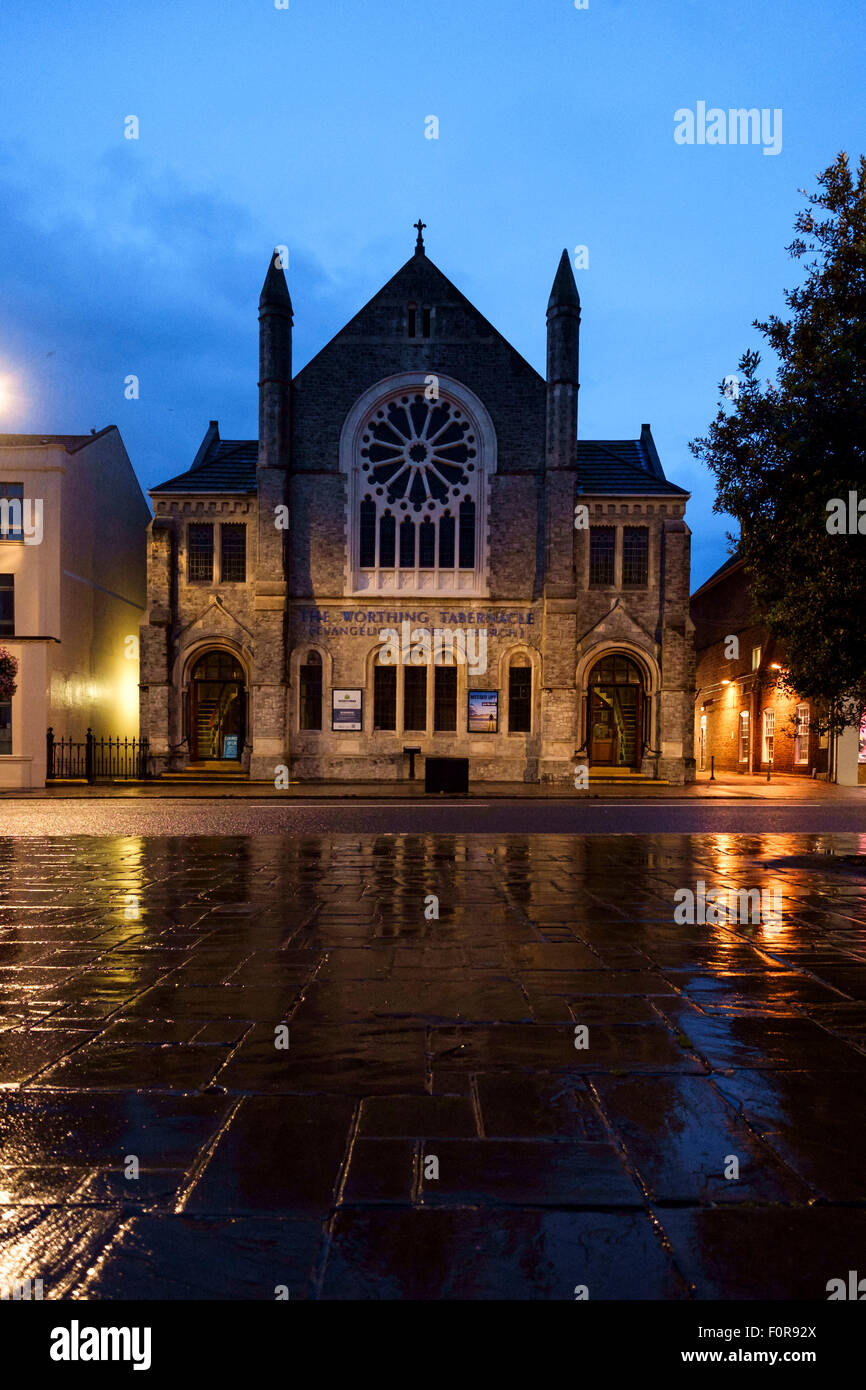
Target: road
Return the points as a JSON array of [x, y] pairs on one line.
[[229, 816]]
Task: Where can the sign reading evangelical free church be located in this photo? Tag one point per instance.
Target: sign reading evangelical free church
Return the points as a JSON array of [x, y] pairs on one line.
[[367, 622]]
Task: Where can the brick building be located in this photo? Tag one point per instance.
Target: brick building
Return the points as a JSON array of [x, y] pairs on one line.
[[742, 719], [419, 478]]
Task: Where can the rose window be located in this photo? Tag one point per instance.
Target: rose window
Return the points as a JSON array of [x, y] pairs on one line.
[[418, 494], [416, 453]]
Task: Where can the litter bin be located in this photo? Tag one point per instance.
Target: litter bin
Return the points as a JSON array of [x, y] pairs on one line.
[[446, 775]]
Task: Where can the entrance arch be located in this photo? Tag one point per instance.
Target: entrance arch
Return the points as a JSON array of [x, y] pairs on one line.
[[617, 693], [217, 708]]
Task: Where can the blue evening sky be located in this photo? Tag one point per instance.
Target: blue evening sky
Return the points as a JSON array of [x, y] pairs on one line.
[[306, 127]]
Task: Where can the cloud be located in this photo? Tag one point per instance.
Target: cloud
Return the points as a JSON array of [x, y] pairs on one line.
[[135, 272]]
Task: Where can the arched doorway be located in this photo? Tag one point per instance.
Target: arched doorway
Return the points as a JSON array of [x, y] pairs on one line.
[[616, 699], [217, 709]]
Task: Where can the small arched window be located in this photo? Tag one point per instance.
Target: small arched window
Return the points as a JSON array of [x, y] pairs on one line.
[[384, 696], [407, 544], [426, 544], [367, 537], [387, 541], [520, 695], [446, 542], [311, 692], [467, 534]]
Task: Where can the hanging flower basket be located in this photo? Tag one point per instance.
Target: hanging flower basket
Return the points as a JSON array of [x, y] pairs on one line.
[[8, 672]]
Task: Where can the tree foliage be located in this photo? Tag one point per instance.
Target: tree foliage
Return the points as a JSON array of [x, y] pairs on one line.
[[787, 453], [8, 672]]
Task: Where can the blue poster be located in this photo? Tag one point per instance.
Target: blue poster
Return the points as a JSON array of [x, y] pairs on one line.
[[483, 711]]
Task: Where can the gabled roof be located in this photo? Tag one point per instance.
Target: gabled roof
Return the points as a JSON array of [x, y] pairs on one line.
[[70, 442], [616, 467], [733, 562], [221, 465], [421, 280]]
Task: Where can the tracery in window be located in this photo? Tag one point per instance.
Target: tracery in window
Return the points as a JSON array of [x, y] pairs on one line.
[[419, 460]]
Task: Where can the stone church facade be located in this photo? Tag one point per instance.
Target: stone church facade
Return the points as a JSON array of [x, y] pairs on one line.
[[419, 478]]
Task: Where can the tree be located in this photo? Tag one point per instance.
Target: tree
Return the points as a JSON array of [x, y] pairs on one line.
[[8, 672], [788, 454]]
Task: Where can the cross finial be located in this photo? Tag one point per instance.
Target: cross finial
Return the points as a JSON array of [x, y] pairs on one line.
[[419, 244]]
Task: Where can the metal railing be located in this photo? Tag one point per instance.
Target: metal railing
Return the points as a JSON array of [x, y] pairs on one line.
[[93, 758]]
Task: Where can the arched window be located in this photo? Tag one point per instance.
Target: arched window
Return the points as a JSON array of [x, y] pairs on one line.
[[446, 541], [445, 697], [218, 666], [384, 696], [407, 544], [367, 534], [419, 462], [426, 545], [387, 541], [311, 692], [615, 670], [520, 695], [467, 534]]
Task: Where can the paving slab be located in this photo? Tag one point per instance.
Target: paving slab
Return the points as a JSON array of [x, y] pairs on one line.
[[498, 1254], [280, 1155], [765, 1252], [537, 1173], [811, 1119], [172, 1257], [688, 1145]]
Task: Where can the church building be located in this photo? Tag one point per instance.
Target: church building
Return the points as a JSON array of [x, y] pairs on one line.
[[419, 558]]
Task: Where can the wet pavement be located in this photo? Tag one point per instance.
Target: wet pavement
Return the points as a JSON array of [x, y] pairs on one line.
[[233, 1065]]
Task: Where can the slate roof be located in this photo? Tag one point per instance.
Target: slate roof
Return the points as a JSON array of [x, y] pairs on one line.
[[615, 467], [733, 562], [70, 442], [228, 466], [605, 468]]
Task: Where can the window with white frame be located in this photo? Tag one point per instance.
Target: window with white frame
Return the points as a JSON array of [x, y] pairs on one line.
[[744, 735], [801, 735], [7, 605], [11, 511], [756, 658], [769, 735]]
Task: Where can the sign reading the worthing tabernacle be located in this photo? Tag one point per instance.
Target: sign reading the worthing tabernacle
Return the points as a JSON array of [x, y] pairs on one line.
[[363, 622], [346, 711]]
